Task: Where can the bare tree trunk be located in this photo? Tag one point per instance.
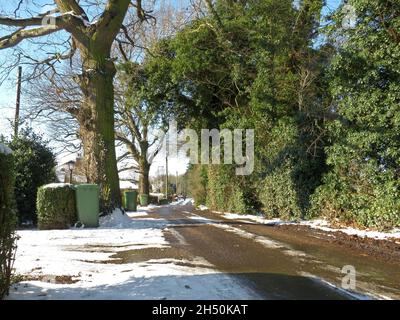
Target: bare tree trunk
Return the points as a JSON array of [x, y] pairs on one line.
[[96, 119], [144, 183]]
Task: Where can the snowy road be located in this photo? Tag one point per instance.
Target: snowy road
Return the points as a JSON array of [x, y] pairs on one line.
[[177, 252]]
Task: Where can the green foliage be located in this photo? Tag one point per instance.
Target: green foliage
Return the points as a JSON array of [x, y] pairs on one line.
[[227, 192], [56, 207], [245, 67], [363, 185], [326, 114], [197, 180], [34, 164], [7, 222]]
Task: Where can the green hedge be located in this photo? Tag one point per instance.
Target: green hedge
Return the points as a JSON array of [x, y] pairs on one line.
[[197, 182], [7, 220], [278, 194], [226, 191], [56, 206]]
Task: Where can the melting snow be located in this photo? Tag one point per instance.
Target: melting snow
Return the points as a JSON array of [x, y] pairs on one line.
[[87, 256], [56, 185], [320, 224]]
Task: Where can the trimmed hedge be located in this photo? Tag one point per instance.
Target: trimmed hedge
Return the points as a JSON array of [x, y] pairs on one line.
[[7, 219], [56, 206]]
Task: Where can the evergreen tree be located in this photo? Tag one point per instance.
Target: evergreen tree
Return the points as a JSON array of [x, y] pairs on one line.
[[363, 185], [34, 164]]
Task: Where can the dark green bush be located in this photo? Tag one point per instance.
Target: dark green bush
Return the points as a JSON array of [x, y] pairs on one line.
[[7, 220], [357, 191], [226, 191], [34, 164], [278, 195], [290, 172], [56, 206], [363, 184]]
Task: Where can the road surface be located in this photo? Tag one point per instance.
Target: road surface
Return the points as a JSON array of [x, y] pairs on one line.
[[276, 262]]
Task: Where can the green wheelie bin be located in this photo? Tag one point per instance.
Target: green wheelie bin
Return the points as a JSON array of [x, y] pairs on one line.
[[87, 204], [130, 200]]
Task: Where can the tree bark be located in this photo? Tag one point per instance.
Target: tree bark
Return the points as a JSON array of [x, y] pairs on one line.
[[96, 114], [96, 119], [144, 183]]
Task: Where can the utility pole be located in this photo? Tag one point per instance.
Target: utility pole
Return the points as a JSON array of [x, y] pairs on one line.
[[18, 102], [176, 191], [166, 166], [166, 175]]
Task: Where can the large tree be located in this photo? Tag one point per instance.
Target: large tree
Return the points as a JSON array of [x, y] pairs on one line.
[[93, 42], [253, 64], [363, 184]]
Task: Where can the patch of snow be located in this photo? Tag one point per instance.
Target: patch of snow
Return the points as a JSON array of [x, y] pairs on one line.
[[66, 13], [182, 202], [256, 218], [268, 243], [134, 214], [56, 185], [326, 226], [188, 201], [81, 17], [146, 282], [150, 206], [320, 224], [124, 184], [116, 220], [88, 257], [4, 149], [202, 207], [66, 252]]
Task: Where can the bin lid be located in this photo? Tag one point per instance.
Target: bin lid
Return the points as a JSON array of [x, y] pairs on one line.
[[87, 186], [131, 191]]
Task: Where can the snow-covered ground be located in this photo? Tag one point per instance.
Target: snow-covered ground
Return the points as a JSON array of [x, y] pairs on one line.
[[320, 224], [182, 202], [84, 256]]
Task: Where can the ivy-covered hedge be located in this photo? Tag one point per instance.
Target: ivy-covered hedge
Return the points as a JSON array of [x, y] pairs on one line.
[[227, 192], [278, 195], [359, 193], [197, 180], [7, 219], [56, 207]]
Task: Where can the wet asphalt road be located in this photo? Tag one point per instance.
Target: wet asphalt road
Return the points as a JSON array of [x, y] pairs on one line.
[[273, 263]]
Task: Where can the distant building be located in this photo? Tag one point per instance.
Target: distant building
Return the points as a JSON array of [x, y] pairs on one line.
[[75, 164]]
